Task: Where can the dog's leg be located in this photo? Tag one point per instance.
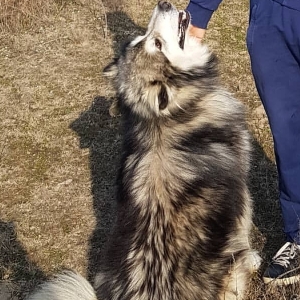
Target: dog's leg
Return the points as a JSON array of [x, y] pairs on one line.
[[239, 275], [114, 109]]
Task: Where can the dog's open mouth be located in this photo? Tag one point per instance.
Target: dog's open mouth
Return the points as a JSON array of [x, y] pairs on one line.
[[183, 24]]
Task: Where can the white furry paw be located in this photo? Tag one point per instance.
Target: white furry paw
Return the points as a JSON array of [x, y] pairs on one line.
[[256, 260]]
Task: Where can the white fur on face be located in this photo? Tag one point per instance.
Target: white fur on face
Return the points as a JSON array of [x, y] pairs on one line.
[[164, 27]]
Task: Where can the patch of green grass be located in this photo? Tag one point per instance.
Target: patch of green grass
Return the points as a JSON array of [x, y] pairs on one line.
[[32, 158], [56, 256]]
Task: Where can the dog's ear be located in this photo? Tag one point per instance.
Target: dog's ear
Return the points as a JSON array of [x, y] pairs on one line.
[[163, 98], [111, 70]]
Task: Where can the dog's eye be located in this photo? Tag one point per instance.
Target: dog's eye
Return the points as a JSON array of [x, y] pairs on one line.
[[157, 44]]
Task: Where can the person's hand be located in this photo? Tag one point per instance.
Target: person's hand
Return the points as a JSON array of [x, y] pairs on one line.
[[197, 32]]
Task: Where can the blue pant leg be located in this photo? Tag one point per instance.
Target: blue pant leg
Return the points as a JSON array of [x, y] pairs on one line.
[[273, 41]]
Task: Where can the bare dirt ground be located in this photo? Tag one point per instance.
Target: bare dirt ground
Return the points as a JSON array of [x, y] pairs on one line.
[[60, 148]]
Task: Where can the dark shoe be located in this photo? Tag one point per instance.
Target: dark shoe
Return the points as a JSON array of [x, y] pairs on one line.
[[285, 266]]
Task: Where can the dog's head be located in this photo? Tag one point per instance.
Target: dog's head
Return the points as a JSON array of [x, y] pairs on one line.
[[158, 72]]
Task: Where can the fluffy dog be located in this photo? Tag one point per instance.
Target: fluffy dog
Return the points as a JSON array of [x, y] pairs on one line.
[[184, 210]]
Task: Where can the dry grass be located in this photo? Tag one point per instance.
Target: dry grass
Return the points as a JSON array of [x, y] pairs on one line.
[[19, 14], [60, 148]]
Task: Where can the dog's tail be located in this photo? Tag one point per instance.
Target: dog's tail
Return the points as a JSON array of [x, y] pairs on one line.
[[65, 286]]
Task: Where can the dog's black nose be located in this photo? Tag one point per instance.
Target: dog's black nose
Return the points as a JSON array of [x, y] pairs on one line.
[[164, 5]]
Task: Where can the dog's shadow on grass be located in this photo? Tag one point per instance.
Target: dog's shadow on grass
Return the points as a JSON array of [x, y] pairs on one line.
[[122, 29], [18, 274], [99, 132]]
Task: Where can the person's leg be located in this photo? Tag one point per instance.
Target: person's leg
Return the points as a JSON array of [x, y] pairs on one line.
[[273, 41]]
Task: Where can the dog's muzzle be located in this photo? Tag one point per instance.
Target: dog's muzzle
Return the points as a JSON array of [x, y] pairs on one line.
[[164, 5], [183, 20]]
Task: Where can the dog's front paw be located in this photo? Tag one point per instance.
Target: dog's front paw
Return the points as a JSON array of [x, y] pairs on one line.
[[255, 260], [114, 110]]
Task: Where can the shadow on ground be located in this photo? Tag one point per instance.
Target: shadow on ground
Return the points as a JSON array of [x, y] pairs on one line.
[[98, 131], [122, 29], [17, 273], [264, 191]]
